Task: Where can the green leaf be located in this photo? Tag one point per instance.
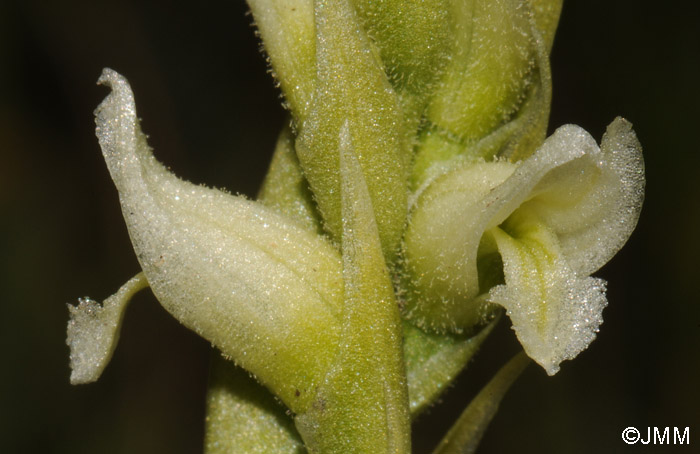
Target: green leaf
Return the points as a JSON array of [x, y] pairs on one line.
[[362, 405], [352, 88], [464, 436]]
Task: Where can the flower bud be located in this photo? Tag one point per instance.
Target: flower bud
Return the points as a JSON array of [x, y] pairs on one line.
[[494, 56], [414, 39], [494, 96]]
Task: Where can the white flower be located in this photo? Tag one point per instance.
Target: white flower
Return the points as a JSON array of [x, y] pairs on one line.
[[264, 290], [547, 222]]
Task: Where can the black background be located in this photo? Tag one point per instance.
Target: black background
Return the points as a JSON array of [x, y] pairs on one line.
[[212, 114]]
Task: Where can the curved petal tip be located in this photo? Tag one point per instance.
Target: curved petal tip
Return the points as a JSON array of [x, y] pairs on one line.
[[93, 331]]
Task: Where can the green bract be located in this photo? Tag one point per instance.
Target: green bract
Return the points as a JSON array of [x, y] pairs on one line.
[[353, 90], [411, 201]]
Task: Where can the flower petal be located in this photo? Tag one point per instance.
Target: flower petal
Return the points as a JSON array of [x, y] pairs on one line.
[[261, 288], [441, 244], [555, 312], [593, 203], [93, 331], [546, 17]]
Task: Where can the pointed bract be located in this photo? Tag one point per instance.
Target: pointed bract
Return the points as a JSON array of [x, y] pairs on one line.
[[352, 88], [362, 405]]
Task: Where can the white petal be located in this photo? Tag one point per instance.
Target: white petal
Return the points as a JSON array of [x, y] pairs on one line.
[[555, 312], [93, 331], [565, 145], [441, 245], [264, 290], [593, 203]]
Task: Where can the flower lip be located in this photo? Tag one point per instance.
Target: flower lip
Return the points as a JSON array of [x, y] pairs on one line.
[[93, 331]]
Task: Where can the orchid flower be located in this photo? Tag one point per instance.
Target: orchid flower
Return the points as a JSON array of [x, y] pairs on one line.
[[209, 257], [548, 221]]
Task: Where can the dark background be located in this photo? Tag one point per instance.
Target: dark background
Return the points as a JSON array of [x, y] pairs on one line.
[[212, 114]]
